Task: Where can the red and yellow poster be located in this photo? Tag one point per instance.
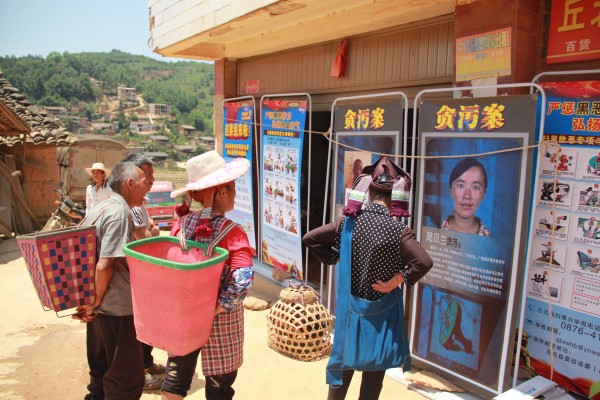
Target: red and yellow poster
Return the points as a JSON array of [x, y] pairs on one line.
[[574, 33]]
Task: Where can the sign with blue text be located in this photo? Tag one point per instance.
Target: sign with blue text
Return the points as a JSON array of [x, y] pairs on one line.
[[282, 138], [238, 132]]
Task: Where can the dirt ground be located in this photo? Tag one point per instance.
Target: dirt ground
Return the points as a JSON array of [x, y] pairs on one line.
[[43, 356]]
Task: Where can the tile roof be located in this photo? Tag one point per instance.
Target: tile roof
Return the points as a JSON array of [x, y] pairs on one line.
[[43, 129]]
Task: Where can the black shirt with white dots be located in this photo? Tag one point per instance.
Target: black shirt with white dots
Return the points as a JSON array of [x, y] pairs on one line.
[[381, 248]]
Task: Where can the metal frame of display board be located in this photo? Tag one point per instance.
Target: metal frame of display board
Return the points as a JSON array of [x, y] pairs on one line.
[[511, 303]]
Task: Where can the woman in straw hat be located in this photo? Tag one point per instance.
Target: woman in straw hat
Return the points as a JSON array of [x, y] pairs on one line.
[[98, 190], [212, 183]]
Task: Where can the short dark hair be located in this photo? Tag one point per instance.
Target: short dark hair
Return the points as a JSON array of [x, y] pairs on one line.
[[139, 159], [464, 165]]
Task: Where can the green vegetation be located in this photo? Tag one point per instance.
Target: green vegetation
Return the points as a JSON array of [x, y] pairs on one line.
[[68, 79]]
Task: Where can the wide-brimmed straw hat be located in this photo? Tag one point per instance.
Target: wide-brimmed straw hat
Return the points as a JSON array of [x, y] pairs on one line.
[[99, 166], [210, 169]]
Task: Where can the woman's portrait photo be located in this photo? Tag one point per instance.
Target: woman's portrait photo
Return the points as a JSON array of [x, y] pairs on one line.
[[467, 184], [471, 194]]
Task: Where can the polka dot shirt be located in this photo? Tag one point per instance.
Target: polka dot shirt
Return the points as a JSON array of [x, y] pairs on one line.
[[381, 248], [375, 250]]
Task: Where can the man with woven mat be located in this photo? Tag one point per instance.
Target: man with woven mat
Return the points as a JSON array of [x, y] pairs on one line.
[[113, 351], [376, 255]]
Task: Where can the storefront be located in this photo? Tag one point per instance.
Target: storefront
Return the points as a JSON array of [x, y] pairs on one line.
[[313, 53]]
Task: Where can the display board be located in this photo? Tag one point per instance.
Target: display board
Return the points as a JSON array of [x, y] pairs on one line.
[[561, 315], [470, 212], [364, 128], [282, 137], [239, 131]]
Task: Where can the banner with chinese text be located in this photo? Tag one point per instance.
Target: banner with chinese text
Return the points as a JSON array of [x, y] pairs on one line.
[[562, 309], [470, 217], [484, 55], [238, 129], [282, 138], [574, 33]]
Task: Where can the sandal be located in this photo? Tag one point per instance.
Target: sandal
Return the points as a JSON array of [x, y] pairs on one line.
[[155, 369], [152, 382]]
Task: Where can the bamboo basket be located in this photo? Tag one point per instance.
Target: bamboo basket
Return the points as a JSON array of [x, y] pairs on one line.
[[299, 326]]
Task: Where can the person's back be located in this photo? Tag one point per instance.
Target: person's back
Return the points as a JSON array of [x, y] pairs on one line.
[[379, 254], [113, 351], [376, 255]]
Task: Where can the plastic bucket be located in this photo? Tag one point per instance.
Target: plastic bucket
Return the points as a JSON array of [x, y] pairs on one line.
[[174, 292]]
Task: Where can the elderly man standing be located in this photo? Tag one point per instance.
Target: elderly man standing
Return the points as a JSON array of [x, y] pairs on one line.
[[114, 354]]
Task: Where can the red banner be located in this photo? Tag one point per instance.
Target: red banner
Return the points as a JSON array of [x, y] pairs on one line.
[[574, 31]]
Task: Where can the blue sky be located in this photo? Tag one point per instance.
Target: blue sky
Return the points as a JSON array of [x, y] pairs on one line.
[[39, 27]]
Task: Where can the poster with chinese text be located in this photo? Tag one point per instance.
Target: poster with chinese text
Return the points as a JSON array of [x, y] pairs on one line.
[[469, 221], [561, 320], [365, 129], [282, 134], [238, 132], [574, 32]]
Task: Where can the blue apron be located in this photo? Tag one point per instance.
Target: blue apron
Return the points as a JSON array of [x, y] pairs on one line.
[[369, 335]]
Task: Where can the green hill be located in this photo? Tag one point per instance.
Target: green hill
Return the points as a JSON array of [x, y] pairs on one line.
[[73, 79]]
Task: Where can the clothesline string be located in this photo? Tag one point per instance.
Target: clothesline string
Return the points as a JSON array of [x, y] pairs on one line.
[[327, 135]]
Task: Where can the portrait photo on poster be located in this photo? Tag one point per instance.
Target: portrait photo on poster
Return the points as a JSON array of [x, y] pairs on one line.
[[470, 194], [469, 213]]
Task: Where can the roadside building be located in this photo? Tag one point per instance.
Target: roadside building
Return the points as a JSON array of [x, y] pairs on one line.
[[57, 111], [184, 150], [159, 139], [104, 127], [186, 130], [344, 48], [144, 126], [30, 141], [207, 142]]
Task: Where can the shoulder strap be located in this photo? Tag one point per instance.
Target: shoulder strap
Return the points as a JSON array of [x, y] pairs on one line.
[[209, 250], [343, 275], [181, 234], [221, 235]]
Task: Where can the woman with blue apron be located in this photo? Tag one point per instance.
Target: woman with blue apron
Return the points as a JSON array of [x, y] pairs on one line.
[[376, 255]]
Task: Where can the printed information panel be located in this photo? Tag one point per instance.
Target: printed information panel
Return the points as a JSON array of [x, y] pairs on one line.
[[469, 221], [561, 320]]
